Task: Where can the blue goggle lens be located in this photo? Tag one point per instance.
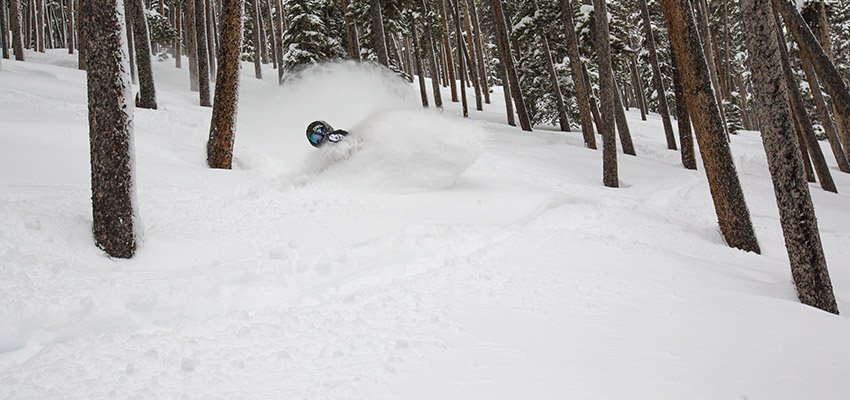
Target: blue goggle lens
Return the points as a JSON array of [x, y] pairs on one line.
[[316, 137]]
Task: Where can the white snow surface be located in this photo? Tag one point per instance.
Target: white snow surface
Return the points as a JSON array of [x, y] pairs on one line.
[[429, 257]]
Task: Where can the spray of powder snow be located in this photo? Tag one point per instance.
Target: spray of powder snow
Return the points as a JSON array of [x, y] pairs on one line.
[[393, 144], [273, 119], [399, 150]]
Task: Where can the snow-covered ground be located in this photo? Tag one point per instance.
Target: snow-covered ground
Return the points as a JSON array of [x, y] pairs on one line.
[[444, 259]]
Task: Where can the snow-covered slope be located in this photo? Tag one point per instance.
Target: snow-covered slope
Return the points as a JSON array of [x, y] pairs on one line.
[[444, 259]]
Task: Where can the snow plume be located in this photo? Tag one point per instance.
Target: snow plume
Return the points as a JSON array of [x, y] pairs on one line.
[[400, 150], [342, 93], [394, 144]]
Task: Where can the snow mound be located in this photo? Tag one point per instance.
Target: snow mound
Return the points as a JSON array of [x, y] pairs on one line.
[[401, 150]]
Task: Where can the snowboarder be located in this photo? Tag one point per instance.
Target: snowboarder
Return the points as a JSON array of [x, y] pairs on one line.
[[319, 132]]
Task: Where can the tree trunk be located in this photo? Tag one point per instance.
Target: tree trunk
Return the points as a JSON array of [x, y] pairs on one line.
[[71, 26], [131, 46], [504, 44], [178, 43], [804, 151], [39, 25], [223, 124], [799, 109], [379, 39], [48, 25], [639, 92], [622, 124], [432, 59], [472, 57], [563, 120], [797, 215], [686, 139], [708, 49], [203, 55], [582, 97], [82, 39], [110, 130], [657, 81], [191, 43], [826, 118], [729, 204], [479, 52], [352, 45], [210, 24], [606, 93], [418, 62], [450, 66], [141, 42], [280, 31], [15, 25], [4, 29], [460, 61], [257, 28], [506, 90], [812, 51]]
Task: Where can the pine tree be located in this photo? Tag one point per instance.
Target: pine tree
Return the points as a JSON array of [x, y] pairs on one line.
[[797, 216], [729, 204], [306, 41], [141, 43], [15, 25], [226, 101], [110, 129]]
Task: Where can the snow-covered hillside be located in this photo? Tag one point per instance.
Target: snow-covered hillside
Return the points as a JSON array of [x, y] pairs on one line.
[[444, 259]]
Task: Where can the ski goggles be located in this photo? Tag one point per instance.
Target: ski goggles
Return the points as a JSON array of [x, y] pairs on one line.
[[316, 138]]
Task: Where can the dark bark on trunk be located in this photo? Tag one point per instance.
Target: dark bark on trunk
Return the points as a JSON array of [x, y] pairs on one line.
[[797, 215], [622, 124], [191, 45], [479, 52], [686, 139], [472, 58], [804, 151], [203, 54], [504, 44], [449, 63], [280, 32], [657, 81], [460, 60], [379, 39], [730, 206], [82, 39], [432, 58], [639, 93], [4, 29], [815, 54], [506, 89], [606, 93], [255, 16], [799, 109], [212, 47], [15, 25], [223, 124], [703, 27], [178, 43], [352, 42], [423, 92], [110, 130], [131, 48], [826, 118], [39, 25], [72, 30], [582, 95], [146, 97]]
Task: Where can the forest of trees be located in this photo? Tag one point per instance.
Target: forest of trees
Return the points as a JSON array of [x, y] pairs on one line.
[[715, 66]]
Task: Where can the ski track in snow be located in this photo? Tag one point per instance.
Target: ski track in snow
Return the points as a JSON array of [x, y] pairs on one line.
[[436, 258]]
